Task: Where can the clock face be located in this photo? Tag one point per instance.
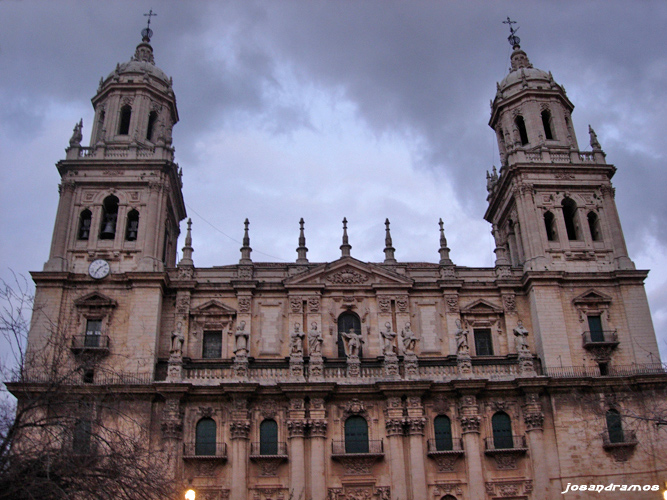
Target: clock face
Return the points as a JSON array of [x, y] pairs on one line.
[[98, 269]]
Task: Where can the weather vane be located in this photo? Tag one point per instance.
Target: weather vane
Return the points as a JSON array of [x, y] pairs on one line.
[[147, 32], [512, 39]]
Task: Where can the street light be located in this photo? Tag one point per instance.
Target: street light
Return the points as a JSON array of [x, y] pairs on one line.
[[190, 494]]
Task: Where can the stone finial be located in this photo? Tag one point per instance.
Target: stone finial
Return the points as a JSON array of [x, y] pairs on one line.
[[301, 250], [444, 250], [345, 247], [187, 249], [388, 249], [77, 135], [595, 144], [245, 249]]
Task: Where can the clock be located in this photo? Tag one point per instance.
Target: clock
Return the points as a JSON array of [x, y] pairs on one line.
[[98, 269]]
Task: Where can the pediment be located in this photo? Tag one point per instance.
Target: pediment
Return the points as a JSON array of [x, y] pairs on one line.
[[95, 299], [592, 296], [481, 306], [213, 308], [349, 272]]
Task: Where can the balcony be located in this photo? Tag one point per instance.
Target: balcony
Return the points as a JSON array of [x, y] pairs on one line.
[[90, 344], [268, 456], [622, 446], [445, 458], [602, 338], [505, 444], [205, 451], [357, 457]]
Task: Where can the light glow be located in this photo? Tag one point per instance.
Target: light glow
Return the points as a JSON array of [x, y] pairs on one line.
[[190, 494]]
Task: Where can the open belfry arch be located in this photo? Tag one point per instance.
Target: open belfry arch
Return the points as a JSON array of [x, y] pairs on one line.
[[348, 379]]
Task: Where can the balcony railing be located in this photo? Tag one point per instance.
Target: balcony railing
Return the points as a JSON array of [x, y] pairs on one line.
[[268, 449], [628, 439], [90, 343], [436, 447], [612, 371], [205, 451], [503, 444], [598, 338], [346, 448]]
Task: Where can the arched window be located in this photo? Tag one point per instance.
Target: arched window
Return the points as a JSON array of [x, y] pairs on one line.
[[124, 124], [132, 228], [356, 435], [84, 224], [521, 127], [346, 322], [81, 437], [594, 226], [205, 437], [109, 218], [550, 225], [615, 427], [570, 216], [268, 437], [502, 431], [546, 122], [152, 118], [442, 428]]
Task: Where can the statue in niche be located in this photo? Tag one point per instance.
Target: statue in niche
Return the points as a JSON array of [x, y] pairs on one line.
[[241, 339], [409, 339], [462, 346], [177, 340], [388, 336], [520, 336], [296, 341], [315, 340], [353, 343]]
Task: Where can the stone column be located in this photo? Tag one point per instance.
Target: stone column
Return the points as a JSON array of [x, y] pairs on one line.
[[417, 457], [240, 430], [534, 420], [318, 435], [396, 458], [172, 431], [318, 483], [296, 429], [470, 424]]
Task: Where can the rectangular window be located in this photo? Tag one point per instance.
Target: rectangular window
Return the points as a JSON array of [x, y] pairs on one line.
[[483, 343], [595, 327], [93, 333], [212, 345]]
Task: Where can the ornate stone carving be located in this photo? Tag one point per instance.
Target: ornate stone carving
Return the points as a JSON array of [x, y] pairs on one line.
[[358, 465], [384, 303], [506, 461], [239, 429], [206, 411], [270, 493], [245, 272], [347, 276], [244, 304], [416, 426], [296, 304], [452, 303], [172, 419], [445, 462], [183, 302], [509, 302], [402, 303], [318, 428], [205, 468], [509, 487], [534, 421], [394, 427], [296, 428], [447, 489], [268, 408], [470, 424], [313, 304], [354, 407]]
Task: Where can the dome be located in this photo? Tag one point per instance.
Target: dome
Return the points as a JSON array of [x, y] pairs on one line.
[[523, 75], [142, 63]]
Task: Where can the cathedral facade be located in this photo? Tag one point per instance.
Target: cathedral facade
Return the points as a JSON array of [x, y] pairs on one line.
[[353, 380]]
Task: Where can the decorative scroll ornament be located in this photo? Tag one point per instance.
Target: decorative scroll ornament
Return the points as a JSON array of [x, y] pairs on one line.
[[347, 277]]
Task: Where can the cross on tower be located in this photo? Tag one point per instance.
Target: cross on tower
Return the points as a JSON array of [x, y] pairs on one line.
[[512, 39], [151, 14], [147, 32]]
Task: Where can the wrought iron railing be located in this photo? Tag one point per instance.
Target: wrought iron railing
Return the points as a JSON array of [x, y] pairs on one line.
[[627, 438], [443, 446], [600, 337], [205, 450], [90, 342], [509, 442], [370, 447], [612, 370], [268, 449]]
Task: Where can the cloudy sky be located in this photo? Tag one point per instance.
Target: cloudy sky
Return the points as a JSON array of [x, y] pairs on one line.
[[324, 110]]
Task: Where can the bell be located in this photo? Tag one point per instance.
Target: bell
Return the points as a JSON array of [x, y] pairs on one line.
[[109, 231]]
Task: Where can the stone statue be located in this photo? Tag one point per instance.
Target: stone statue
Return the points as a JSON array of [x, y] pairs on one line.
[[409, 339], [77, 135], [353, 343], [296, 341], [241, 339], [520, 334], [595, 144], [388, 336], [315, 340], [177, 340], [462, 346]]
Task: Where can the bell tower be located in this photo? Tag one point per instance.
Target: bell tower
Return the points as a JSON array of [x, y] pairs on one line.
[[120, 197], [551, 205]]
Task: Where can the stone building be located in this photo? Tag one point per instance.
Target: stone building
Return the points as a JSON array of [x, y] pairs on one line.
[[356, 380]]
